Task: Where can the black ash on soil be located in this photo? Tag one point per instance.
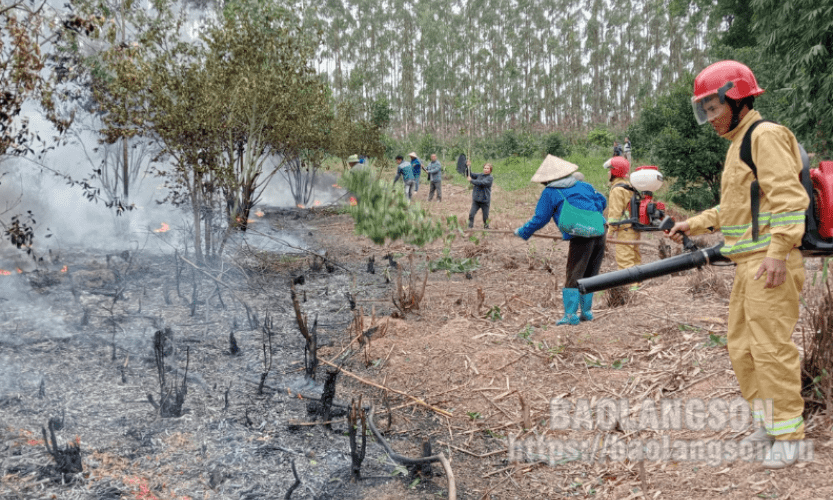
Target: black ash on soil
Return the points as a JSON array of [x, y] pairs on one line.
[[91, 343]]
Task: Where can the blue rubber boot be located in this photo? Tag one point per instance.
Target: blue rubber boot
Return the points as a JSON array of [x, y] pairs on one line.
[[570, 296], [586, 303]]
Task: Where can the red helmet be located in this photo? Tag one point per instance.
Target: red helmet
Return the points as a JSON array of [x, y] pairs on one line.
[[619, 166], [724, 79]]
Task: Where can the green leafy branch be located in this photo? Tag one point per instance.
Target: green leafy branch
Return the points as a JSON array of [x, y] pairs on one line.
[[383, 213]]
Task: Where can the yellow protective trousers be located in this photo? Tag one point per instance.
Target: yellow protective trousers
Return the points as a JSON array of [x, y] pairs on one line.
[[763, 355], [626, 255]]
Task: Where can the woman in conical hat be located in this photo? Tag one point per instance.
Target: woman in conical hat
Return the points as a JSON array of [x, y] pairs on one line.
[[576, 208]]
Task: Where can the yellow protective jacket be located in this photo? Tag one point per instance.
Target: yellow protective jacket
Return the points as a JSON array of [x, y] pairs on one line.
[[783, 200], [619, 204]]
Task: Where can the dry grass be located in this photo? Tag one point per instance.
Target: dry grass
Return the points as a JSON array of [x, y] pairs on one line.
[[488, 350], [817, 369], [706, 281], [617, 296]]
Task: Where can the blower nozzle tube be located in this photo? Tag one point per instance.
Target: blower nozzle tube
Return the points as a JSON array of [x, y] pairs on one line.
[[663, 267]]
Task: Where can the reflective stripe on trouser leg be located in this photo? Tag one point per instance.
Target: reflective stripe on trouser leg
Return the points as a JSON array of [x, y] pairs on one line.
[[763, 355], [627, 255]]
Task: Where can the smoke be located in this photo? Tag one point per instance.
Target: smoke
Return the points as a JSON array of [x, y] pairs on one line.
[[279, 194], [62, 214]]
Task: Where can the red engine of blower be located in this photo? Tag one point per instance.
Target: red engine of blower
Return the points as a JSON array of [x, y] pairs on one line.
[[823, 189], [647, 208]]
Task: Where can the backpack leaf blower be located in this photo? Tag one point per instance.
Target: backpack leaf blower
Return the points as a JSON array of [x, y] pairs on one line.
[[646, 214], [817, 240]]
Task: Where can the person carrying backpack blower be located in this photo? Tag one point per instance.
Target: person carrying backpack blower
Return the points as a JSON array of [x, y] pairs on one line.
[[764, 305], [620, 209]]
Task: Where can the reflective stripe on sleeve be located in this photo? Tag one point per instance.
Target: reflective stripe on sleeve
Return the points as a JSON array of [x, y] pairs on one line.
[[747, 245], [787, 218]]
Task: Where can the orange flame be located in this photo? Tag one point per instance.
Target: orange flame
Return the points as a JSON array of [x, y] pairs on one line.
[[64, 269], [316, 203], [3, 272], [301, 206], [336, 186], [19, 271], [260, 213], [162, 229], [353, 202]]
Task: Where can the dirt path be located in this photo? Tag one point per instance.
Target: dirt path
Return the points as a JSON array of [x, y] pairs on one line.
[[487, 350]]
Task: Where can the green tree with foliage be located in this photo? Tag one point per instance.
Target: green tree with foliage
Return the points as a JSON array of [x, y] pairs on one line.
[[554, 144], [267, 105], [798, 35]]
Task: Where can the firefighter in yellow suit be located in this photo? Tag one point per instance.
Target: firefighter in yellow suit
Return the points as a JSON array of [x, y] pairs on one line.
[[619, 208], [763, 308]]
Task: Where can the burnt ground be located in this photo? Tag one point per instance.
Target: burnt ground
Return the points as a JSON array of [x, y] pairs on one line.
[[477, 362]]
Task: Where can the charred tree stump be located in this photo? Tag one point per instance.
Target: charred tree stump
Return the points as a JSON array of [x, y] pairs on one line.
[[57, 423], [328, 394], [311, 350], [309, 334], [425, 468], [371, 261], [266, 343], [317, 263], [233, 347], [178, 274], [251, 316], [225, 397], [170, 399], [194, 293], [113, 344], [67, 460], [163, 342], [354, 416]]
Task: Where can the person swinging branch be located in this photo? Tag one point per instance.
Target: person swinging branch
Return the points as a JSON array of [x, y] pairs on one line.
[[481, 195], [576, 208]]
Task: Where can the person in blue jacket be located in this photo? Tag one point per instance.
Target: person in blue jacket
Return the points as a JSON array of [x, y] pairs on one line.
[[417, 166], [584, 258]]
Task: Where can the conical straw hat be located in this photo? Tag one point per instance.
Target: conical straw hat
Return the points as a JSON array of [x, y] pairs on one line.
[[553, 168]]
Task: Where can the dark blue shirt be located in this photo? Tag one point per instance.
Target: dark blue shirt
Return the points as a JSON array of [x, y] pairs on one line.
[[482, 191]]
